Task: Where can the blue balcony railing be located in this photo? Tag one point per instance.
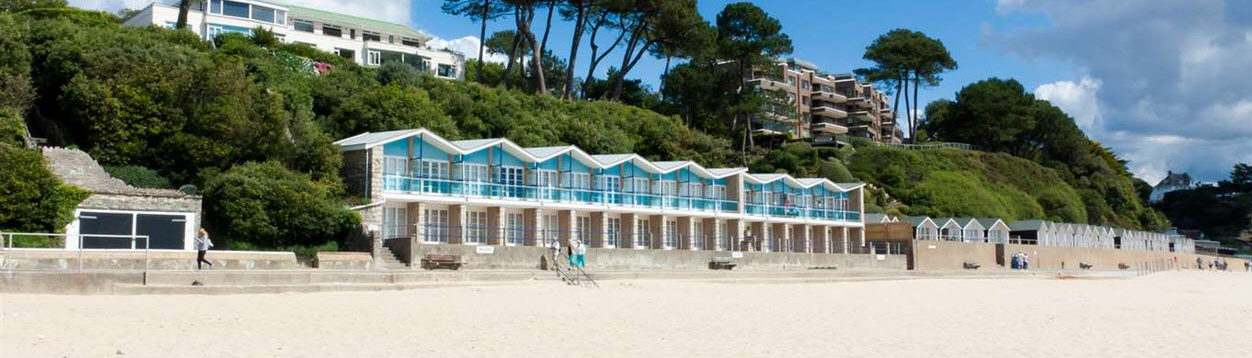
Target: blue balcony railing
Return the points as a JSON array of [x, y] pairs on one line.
[[397, 183], [803, 213]]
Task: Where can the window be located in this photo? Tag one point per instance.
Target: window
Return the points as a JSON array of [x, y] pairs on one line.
[[791, 80], [333, 31], [352, 34], [236, 9], [583, 228], [671, 234], [434, 169], [215, 6], [395, 223], [280, 17], [697, 237], [395, 166], [410, 42], [512, 178], [551, 228], [580, 181], [476, 227], [669, 187], [804, 84], [805, 100], [446, 71], [375, 58], [435, 228], [613, 228], [474, 173], [303, 26], [545, 178], [345, 53], [370, 36], [717, 192], [637, 185], [261, 13], [513, 226], [642, 233], [611, 183], [391, 38]]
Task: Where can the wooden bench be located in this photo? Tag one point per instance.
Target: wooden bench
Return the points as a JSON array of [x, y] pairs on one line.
[[971, 265], [721, 263], [433, 261]]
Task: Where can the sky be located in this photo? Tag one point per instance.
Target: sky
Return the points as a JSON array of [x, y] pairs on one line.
[[1164, 83]]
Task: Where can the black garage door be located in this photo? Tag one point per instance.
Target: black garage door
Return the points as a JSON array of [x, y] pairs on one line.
[[105, 224], [165, 231]]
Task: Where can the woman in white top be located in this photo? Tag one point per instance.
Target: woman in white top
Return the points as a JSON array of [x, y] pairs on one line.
[[202, 246]]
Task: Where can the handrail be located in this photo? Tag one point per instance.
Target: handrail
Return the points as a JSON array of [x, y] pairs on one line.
[[7, 244]]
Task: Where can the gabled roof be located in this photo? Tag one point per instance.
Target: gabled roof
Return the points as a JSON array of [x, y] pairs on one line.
[[877, 218], [991, 223], [603, 161], [1029, 225], [943, 223], [966, 222], [919, 221]]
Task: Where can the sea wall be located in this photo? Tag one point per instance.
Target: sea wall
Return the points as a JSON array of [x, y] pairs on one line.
[[521, 258], [138, 260], [952, 255]]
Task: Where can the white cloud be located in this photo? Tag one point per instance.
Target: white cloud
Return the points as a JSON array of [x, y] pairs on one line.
[[1078, 99], [1168, 85], [467, 46], [110, 5]]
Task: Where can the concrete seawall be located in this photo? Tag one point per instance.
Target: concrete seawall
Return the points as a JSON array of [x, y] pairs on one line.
[[951, 255], [140, 260], [520, 258]]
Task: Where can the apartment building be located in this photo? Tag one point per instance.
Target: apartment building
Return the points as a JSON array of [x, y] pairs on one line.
[[365, 41], [494, 192], [826, 106]]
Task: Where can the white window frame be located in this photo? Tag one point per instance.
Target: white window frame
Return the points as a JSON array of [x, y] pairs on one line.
[[435, 225], [395, 222], [643, 233], [476, 227], [514, 224], [373, 58], [671, 234], [612, 231]]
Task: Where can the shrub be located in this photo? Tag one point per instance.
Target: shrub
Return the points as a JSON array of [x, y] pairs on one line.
[[268, 206], [32, 199], [139, 177]]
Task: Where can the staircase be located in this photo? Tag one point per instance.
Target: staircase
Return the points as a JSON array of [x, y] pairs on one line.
[[388, 260], [573, 276]]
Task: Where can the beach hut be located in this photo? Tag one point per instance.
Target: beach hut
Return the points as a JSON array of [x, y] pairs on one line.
[[971, 230], [879, 219], [923, 227], [997, 232], [1032, 230], [949, 229]]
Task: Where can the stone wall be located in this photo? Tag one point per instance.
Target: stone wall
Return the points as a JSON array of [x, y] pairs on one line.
[[521, 258], [952, 255], [135, 260], [343, 261]]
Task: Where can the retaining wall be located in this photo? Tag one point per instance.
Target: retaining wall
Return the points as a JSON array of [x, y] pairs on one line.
[[525, 258], [343, 261], [951, 255], [135, 260]]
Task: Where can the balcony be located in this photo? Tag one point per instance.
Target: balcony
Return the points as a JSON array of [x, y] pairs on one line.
[[829, 112], [801, 212], [767, 83], [460, 188], [859, 102], [829, 97], [829, 128]]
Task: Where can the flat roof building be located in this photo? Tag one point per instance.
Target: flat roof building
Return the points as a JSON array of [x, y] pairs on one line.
[[826, 106], [367, 42]]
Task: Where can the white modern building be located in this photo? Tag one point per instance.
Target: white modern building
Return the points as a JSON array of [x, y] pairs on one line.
[[366, 41], [494, 192]]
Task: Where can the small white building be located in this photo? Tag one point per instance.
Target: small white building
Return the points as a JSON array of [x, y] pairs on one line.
[[971, 230], [997, 232], [949, 229], [365, 41]]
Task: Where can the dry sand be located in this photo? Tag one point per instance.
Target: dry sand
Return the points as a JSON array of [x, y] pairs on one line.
[[1190, 314]]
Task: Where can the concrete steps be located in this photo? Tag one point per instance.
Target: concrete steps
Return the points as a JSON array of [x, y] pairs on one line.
[[390, 261]]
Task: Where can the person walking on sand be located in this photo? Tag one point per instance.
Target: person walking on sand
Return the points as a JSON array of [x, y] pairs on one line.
[[569, 252], [581, 255], [1199, 263], [555, 245], [1247, 266], [202, 244], [1025, 261]]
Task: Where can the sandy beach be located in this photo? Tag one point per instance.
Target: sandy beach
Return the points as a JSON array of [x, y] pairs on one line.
[[1166, 314]]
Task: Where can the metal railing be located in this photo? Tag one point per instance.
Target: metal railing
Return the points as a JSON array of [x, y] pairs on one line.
[[10, 238], [489, 190]]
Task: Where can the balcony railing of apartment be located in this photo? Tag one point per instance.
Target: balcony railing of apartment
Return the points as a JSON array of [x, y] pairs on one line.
[[830, 112], [801, 212], [829, 96], [487, 190]]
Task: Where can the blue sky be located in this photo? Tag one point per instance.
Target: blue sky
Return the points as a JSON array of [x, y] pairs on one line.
[[832, 34], [1162, 82]]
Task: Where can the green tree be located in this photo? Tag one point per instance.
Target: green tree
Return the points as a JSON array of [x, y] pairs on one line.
[[751, 39], [905, 57], [23, 5], [481, 11], [34, 199], [269, 206]]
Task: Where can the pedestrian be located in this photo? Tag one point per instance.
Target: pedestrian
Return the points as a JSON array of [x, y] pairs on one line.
[[569, 252], [581, 255], [1247, 266], [1014, 261], [555, 245], [1199, 263], [1025, 261], [202, 244]]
